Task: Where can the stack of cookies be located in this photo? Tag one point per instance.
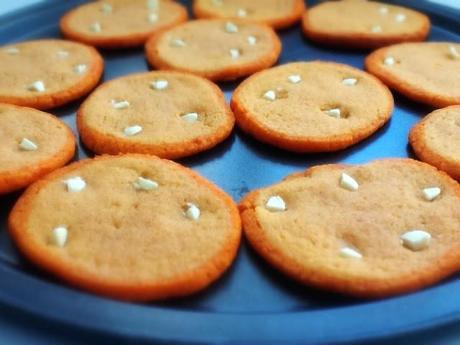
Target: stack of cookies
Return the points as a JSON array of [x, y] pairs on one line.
[[159, 229]]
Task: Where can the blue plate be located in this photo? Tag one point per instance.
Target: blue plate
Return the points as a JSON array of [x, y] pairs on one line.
[[252, 303]]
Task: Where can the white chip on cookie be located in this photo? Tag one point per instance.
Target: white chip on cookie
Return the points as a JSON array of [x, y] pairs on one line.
[[160, 84], [348, 182], [269, 95], [27, 145], [59, 236], [349, 81], [275, 204], [241, 12], [95, 27], [12, 51], [120, 104], [389, 61], [192, 211], [152, 4], [252, 40], [376, 29], [231, 27], [190, 117], [416, 239], [106, 8], [295, 78], [234, 53], [63, 54], [152, 17], [75, 184], [383, 10], [80, 68], [143, 183], [132, 130], [38, 86], [400, 17], [431, 193], [348, 252], [177, 42], [334, 112], [453, 52]]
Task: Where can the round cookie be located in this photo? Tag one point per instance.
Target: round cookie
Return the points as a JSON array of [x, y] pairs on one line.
[[276, 13], [131, 227], [363, 24], [424, 72], [436, 140], [116, 24], [164, 113], [32, 144], [47, 73], [221, 50], [372, 230], [311, 106]]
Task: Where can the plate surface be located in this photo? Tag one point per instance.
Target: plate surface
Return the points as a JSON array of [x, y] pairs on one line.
[[252, 303]]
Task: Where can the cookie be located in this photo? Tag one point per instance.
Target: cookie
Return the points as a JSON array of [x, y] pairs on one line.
[[371, 230], [32, 144], [436, 140], [221, 50], [131, 227], [44, 74], [311, 106], [363, 24], [167, 114], [116, 24], [424, 72], [276, 13]]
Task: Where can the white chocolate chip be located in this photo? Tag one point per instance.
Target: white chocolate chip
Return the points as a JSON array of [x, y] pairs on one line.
[[334, 112], [80, 68], [241, 13], [106, 8], [348, 182], [59, 236], [400, 17], [160, 84], [95, 27], [270, 95], [217, 2], [231, 28], [152, 17], [132, 130], [38, 86], [120, 104], [143, 183], [234, 53], [177, 42], [347, 252], [453, 52], [383, 10], [389, 61], [252, 40], [12, 51], [275, 204], [63, 54], [431, 193], [416, 239], [152, 4], [190, 117], [349, 81], [376, 29], [27, 145], [192, 211], [295, 79], [75, 184]]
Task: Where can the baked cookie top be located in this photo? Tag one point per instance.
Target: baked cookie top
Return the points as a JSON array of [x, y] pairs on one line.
[[32, 143], [120, 23], [425, 72], [47, 73], [168, 114], [363, 24], [372, 230], [311, 106], [221, 49], [132, 227], [276, 13], [436, 140]]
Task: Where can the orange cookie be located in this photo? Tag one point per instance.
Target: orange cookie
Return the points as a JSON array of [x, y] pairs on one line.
[[312, 106], [32, 144], [47, 73], [363, 24], [424, 72], [132, 227], [167, 114], [372, 230], [276, 13], [120, 23], [436, 140], [215, 49]]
